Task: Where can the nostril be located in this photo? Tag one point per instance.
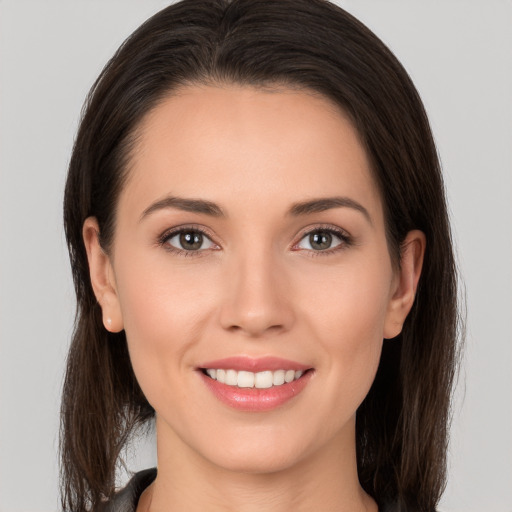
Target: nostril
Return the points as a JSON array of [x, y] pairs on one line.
[[256, 310]]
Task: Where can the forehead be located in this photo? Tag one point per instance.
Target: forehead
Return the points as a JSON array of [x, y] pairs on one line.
[[221, 143]]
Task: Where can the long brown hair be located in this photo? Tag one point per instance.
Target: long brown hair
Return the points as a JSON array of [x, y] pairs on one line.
[[311, 44]]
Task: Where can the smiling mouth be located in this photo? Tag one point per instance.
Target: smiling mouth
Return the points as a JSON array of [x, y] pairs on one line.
[[259, 380]]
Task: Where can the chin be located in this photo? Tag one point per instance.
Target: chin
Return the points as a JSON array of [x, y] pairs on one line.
[[258, 457], [252, 464]]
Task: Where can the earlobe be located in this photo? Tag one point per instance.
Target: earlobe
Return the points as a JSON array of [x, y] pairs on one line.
[[102, 277], [406, 283]]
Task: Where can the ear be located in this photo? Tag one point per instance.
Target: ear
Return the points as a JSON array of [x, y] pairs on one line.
[[405, 283], [102, 277]]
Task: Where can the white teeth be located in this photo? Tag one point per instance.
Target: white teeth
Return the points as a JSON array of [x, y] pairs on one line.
[[289, 376], [231, 378], [263, 380], [278, 378], [260, 380], [245, 379]]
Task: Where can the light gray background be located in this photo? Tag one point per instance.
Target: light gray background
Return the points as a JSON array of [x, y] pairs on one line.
[[459, 54]]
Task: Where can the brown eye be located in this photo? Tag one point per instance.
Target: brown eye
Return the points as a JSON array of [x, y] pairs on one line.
[[189, 240], [321, 240]]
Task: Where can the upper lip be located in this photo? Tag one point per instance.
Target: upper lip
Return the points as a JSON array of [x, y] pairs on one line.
[[254, 364]]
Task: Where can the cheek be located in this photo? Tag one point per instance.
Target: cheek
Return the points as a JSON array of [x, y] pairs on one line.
[[347, 318], [163, 308], [350, 298]]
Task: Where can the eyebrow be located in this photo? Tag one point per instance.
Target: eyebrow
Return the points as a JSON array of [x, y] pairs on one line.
[[327, 203], [297, 209], [187, 205]]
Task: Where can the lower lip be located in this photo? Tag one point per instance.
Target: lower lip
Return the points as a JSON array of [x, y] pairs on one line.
[[254, 399]]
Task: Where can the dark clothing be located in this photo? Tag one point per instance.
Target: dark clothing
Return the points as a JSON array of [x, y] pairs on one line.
[[126, 500]]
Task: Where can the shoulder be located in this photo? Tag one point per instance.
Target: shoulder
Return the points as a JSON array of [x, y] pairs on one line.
[[127, 498]]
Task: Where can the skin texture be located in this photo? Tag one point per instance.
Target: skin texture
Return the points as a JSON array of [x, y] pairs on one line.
[[255, 288]]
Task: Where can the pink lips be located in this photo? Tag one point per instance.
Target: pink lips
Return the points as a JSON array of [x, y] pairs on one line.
[[253, 399]]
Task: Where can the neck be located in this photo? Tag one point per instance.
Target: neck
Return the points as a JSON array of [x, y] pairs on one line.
[[326, 480]]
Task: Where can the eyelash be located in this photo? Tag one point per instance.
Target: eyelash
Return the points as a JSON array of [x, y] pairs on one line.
[[167, 235], [346, 240]]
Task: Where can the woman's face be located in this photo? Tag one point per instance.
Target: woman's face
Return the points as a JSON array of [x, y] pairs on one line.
[[250, 239]]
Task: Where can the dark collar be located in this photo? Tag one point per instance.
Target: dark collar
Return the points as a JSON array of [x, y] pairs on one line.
[[126, 499]]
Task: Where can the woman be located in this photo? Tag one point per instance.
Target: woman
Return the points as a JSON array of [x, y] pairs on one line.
[[262, 260]]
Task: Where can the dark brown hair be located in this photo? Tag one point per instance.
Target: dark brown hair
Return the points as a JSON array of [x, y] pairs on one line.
[[314, 45]]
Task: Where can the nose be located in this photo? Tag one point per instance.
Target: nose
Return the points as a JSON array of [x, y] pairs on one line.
[[257, 297]]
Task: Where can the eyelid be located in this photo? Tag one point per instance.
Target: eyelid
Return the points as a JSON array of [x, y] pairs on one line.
[[341, 233], [345, 237], [176, 230]]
